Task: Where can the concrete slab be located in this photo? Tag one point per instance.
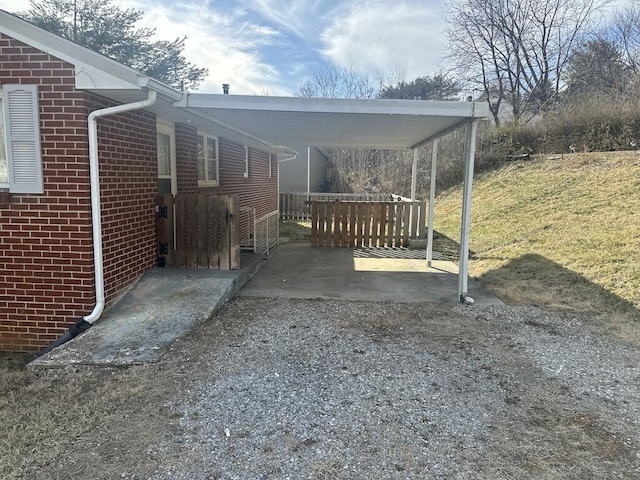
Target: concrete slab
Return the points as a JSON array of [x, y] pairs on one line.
[[166, 303], [399, 275], [163, 306]]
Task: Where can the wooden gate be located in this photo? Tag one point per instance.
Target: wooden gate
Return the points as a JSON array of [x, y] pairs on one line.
[[366, 224], [198, 231]]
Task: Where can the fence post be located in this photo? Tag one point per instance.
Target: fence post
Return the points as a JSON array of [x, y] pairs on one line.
[[314, 224], [234, 232], [214, 244], [203, 232], [180, 230]]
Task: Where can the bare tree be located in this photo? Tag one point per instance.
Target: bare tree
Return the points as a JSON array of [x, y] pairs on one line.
[[624, 32], [333, 82], [598, 67], [515, 51]]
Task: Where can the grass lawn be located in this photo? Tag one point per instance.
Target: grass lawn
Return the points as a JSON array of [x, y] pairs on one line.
[[556, 231], [295, 230]]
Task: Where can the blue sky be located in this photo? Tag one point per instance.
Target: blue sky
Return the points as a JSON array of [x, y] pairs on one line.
[[271, 46]]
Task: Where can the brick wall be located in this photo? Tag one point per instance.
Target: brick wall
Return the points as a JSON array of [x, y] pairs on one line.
[[258, 190], [46, 256], [46, 252], [186, 152], [128, 187]]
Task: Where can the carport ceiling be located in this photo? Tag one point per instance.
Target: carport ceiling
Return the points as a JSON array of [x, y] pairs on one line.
[[392, 124]]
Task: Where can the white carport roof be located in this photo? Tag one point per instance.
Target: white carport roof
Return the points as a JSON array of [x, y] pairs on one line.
[[319, 122], [387, 124]]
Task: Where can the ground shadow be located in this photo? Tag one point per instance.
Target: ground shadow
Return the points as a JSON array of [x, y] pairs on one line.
[[535, 279], [448, 247]]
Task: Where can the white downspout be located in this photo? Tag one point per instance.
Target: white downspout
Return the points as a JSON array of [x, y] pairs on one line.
[[463, 271], [414, 175], [96, 219], [308, 169]]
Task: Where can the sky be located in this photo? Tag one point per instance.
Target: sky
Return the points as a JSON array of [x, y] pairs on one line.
[[269, 47]]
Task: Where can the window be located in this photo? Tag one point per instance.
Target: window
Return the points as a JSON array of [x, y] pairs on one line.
[[164, 155], [207, 157], [20, 155], [166, 146]]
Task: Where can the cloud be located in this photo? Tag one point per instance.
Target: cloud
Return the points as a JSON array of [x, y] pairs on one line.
[[14, 6], [294, 16], [261, 46], [226, 43], [377, 38]]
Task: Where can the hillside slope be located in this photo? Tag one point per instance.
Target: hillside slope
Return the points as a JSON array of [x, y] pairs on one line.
[[556, 231]]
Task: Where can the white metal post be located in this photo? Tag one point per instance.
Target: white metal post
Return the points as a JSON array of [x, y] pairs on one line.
[[463, 271], [414, 181], [432, 201], [414, 174]]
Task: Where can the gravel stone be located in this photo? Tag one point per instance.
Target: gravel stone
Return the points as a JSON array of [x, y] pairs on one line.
[[299, 389]]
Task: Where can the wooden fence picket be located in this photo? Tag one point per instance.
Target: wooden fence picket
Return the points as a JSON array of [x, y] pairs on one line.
[[367, 224], [199, 231]]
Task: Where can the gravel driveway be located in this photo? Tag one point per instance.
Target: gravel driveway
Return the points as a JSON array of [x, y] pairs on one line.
[[306, 389]]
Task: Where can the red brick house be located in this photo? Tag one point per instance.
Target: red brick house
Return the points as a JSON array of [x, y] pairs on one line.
[[72, 122]]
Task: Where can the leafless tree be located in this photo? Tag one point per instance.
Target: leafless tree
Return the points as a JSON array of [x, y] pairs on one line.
[[624, 31], [334, 82], [515, 51]]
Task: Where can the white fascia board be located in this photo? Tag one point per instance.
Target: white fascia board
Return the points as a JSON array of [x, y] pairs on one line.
[[324, 105], [88, 78]]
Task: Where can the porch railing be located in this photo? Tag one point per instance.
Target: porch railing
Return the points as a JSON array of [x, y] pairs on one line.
[[263, 233]]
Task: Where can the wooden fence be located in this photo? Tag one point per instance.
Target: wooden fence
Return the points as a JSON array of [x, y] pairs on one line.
[[198, 231], [366, 224], [297, 206]]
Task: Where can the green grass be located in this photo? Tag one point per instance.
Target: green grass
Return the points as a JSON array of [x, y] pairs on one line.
[[295, 231], [557, 231]]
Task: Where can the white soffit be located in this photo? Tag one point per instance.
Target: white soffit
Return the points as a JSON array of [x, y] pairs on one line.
[[392, 124]]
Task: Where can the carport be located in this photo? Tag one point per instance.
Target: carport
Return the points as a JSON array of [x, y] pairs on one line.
[[348, 123]]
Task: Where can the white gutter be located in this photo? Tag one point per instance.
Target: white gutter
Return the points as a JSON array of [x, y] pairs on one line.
[[96, 219]]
